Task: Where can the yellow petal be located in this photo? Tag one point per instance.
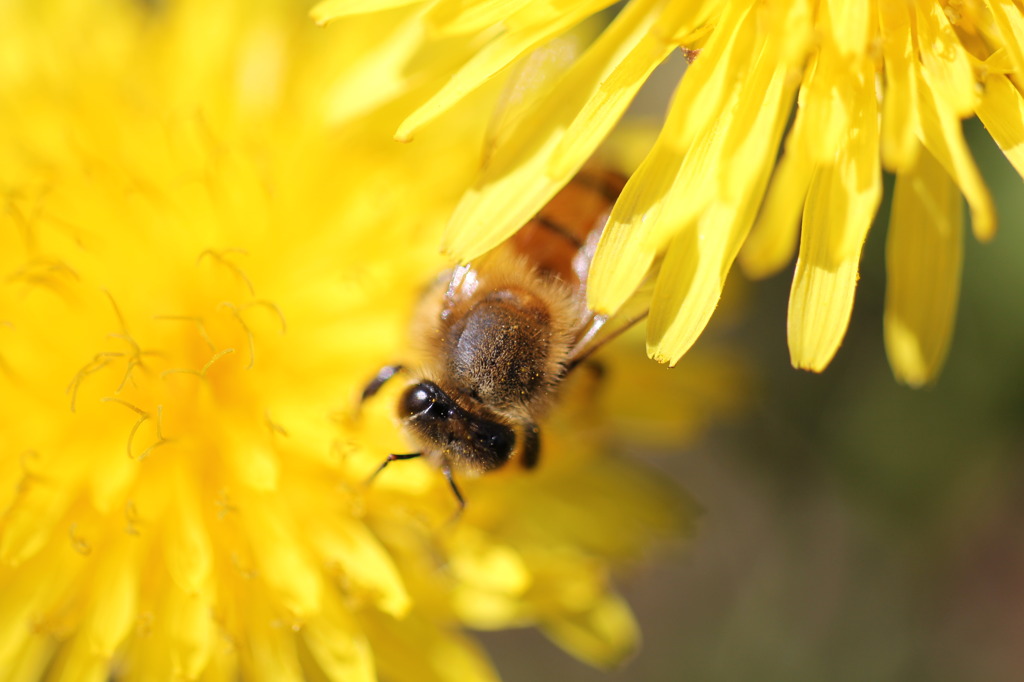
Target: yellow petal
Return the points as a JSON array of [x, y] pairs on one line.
[[363, 562], [32, 659], [379, 75], [1002, 112], [855, 198], [694, 272], [924, 253], [271, 654], [604, 109], [116, 591], [24, 597], [329, 10], [841, 203], [940, 130], [849, 25], [281, 557], [624, 254], [190, 631], [338, 645], [490, 566], [821, 297], [773, 239], [78, 662], [604, 635], [515, 182], [31, 521], [898, 141], [711, 79], [187, 548], [254, 461], [1010, 22], [452, 17], [414, 651], [486, 64], [945, 60]]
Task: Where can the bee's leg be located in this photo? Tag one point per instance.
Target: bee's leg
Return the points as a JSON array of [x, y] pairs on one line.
[[531, 445], [383, 376], [391, 458]]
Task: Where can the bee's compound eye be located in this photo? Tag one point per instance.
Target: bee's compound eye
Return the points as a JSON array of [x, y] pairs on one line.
[[424, 399], [416, 399]]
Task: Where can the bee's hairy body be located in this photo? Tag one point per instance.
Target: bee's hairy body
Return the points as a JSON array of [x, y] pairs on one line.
[[499, 335]]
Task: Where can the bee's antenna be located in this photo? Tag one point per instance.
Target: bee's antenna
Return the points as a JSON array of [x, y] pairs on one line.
[[447, 471], [383, 376]]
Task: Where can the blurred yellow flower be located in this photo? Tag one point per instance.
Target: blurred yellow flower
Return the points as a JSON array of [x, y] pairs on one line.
[[209, 243], [868, 86]]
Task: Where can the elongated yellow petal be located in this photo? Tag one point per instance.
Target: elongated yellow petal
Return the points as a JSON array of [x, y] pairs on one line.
[[338, 645], [841, 203], [898, 142], [691, 281], [859, 190], [821, 297], [271, 656], [113, 612], [189, 631], [33, 659], [415, 652], [604, 635], [773, 238], [281, 558], [329, 10], [698, 260], [710, 79], [1002, 112], [1009, 19], [363, 562], [924, 253], [945, 60], [516, 181], [378, 76], [486, 64], [187, 551], [602, 111], [452, 17], [849, 25], [625, 254], [826, 101], [941, 133]]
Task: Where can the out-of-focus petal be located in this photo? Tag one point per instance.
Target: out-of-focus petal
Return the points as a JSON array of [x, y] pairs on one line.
[[924, 253], [841, 204]]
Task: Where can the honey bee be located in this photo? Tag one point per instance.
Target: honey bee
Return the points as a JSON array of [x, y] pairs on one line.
[[501, 334]]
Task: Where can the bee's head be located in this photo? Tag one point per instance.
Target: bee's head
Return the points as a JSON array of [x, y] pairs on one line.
[[464, 439]]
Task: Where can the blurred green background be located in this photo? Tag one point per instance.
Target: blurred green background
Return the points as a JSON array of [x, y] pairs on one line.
[[853, 529]]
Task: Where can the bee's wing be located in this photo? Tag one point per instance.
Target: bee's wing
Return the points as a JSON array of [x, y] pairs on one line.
[[532, 76], [600, 329]]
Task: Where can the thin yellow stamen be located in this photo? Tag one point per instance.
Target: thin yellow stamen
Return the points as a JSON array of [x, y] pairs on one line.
[[222, 258]]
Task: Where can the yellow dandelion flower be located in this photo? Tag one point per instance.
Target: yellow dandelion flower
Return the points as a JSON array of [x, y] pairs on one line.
[[867, 86], [209, 244]]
